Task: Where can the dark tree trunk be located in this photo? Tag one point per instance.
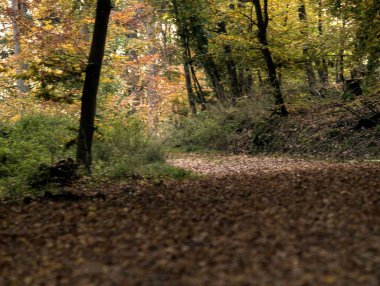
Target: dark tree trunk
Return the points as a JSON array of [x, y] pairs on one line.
[[182, 33], [190, 24], [211, 69], [310, 74], [322, 69], [260, 78], [246, 81], [198, 88], [321, 63], [262, 24], [91, 84], [341, 77], [235, 86], [340, 62], [189, 87], [279, 101], [206, 60]]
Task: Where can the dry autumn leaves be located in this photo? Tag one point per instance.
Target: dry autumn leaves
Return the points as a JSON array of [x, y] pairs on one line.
[[247, 221]]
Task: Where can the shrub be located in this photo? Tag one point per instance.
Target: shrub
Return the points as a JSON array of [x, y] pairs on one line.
[[31, 147], [218, 128], [33, 140], [123, 147]]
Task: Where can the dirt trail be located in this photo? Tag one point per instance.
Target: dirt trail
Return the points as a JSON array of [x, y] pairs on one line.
[[234, 165], [250, 221]]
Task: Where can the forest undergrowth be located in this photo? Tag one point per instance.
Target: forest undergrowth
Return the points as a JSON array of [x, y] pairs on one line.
[[35, 146], [37, 154], [316, 128]]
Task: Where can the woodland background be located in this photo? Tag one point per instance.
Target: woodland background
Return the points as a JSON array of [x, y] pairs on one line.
[[296, 77]]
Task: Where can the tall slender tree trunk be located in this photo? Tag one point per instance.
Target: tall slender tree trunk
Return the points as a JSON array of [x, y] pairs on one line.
[[310, 74], [246, 81], [91, 84], [321, 63], [151, 90], [235, 86], [18, 11], [209, 65], [340, 61], [182, 33], [198, 87], [262, 24], [189, 87]]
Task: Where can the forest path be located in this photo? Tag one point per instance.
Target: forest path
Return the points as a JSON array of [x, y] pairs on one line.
[[217, 165], [249, 221]]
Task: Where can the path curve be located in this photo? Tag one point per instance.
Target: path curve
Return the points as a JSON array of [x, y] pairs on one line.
[[248, 222]]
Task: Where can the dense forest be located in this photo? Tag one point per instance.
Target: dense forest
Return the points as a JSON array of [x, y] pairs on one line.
[[205, 124]]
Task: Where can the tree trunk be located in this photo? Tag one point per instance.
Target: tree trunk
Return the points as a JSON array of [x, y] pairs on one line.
[[182, 33], [189, 88], [212, 72], [340, 62], [18, 11], [235, 86], [310, 74], [206, 60], [262, 24], [321, 63], [91, 84], [246, 81], [279, 101], [198, 88], [151, 90]]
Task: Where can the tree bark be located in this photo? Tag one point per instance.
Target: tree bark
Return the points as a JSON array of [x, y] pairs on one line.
[[235, 86], [340, 61], [185, 58], [321, 63], [198, 87], [208, 63], [246, 81], [310, 74], [18, 11], [91, 84], [262, 24], [189, 88], [150, 88]]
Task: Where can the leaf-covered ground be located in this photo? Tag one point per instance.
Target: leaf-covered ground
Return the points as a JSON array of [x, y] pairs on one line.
[[248, 221]]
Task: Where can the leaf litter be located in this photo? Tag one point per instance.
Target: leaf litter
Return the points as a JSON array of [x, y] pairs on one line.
[[246, 221]]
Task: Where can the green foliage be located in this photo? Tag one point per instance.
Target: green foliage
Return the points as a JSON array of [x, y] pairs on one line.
[[31, 145], [264, 136], [219, 128], [123, 149], [203, 131], [25, 145]]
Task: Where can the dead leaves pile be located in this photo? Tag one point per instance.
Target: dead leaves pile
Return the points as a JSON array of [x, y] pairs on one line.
[[271, 221]]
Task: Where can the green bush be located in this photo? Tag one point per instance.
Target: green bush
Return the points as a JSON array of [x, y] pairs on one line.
[[218, 128], [123, 147], [26, 144], [264, 137], [203, 131]]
